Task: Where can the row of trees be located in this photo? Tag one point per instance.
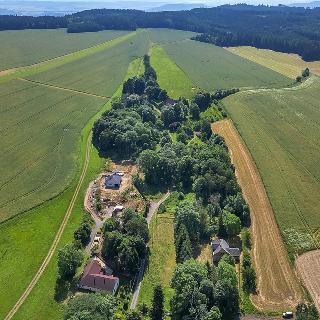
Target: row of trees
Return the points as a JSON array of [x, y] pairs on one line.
[[125, 241]]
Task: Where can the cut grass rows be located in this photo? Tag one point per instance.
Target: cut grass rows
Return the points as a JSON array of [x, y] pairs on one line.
[[59, 61], [289, 65], [170, 76], [40, 124], [28, 237], [210, 67], [99, 73], [26, 47], [282, 131]]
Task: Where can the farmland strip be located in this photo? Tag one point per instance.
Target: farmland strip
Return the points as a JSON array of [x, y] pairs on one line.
[[277, 285]]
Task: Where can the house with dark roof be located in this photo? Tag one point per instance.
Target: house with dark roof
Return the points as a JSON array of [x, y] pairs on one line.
[[113, 181], [96, 277], [220, 247]]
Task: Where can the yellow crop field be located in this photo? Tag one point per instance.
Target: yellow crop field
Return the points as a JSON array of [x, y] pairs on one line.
[[287, 64]]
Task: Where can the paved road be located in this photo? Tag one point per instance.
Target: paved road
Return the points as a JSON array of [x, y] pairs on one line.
[[153, 208], [57, 238]]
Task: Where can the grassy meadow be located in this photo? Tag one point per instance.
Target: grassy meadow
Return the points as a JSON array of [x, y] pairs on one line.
[[99, 73], [162, 257], [170, 76], [26, 237], [26, 47], [210, 67], [163, 36], [282, 131], [287, 64], [39, 127]]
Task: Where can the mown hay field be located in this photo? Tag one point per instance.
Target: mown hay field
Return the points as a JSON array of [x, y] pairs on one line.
[[210, 67], [26, 47], [282, 131], [277, 286], [170, 76], [99, 73], [287, 64], [27, 237]]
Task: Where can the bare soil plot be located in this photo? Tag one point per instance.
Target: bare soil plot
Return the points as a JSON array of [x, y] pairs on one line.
[[278, 287], [287, 64], [308, 266]]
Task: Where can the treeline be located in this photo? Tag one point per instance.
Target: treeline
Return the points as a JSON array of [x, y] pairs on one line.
[[285, 29], [309, 50], [144, 116]]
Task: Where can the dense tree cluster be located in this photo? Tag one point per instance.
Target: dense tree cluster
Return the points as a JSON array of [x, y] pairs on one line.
[[285, 29], [91, 307], [306, 312], [203, 292], [125, 241], [69, 259], [209, 168], [133, 124], [82, 234]]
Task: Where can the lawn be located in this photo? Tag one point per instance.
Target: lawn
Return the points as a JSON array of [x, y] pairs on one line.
[[26, 239], [210, 67], [162, 257], [99, 73], [282, 131], [170, 76], [287, 64]]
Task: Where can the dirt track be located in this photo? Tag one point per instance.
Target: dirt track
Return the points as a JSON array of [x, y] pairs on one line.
[[278, 286], [57, 238], [308, 266]]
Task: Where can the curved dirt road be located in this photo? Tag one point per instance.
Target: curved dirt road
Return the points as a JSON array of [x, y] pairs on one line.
[[278, 286], [57, 238]]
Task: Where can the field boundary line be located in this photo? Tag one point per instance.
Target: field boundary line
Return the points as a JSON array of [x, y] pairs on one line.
[[57, 238], [63, 88], [61, 60]]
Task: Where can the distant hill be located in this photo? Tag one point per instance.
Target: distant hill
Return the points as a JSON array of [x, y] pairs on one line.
[[177, 7], [313, 4]]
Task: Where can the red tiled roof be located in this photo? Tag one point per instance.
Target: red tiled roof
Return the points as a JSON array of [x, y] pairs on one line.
[[94, 277]]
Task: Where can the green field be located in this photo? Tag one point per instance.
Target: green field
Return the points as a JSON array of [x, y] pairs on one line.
[[210, 67], [28, 237], [99, 73], [26, 47], [170, 76], [39, 127], [282, 131], [163, 36]]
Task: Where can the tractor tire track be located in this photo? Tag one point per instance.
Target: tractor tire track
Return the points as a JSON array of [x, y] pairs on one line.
[[57, 238], [277, 285]]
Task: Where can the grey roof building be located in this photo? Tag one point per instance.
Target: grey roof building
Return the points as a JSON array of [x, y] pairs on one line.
[[113, 181], [220, 247]]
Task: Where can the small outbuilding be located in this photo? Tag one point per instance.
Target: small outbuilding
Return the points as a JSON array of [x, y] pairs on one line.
[[220, 247], [113, 181]]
